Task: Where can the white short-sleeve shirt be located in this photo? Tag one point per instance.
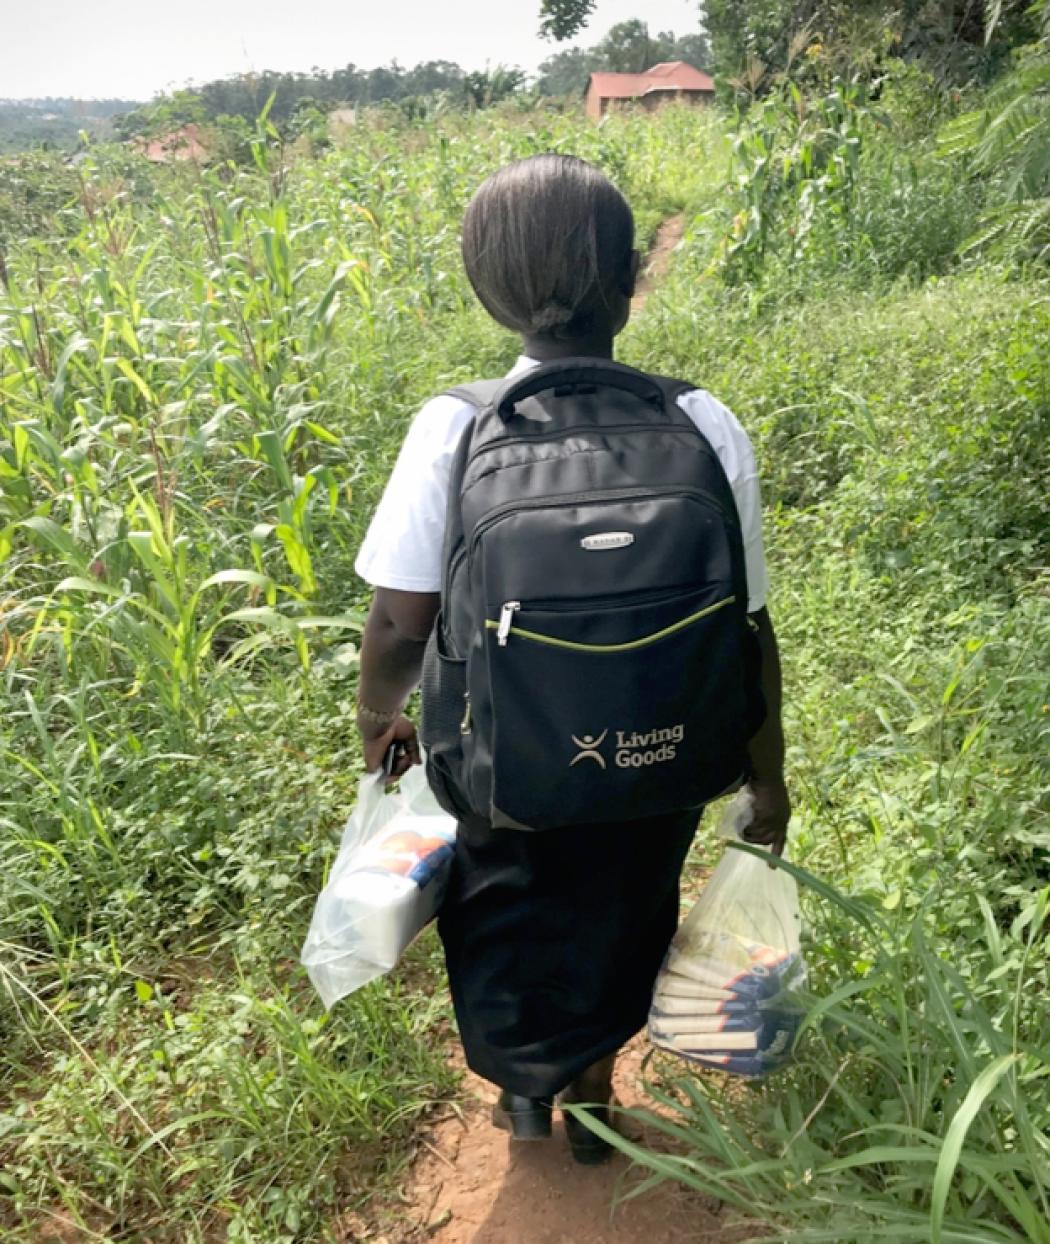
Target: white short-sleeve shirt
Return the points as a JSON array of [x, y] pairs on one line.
[[403, 546]]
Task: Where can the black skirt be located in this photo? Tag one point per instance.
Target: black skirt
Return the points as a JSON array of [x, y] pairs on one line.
[[553, 941]]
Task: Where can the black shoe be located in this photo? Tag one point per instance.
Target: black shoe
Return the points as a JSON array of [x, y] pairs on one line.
[[528, 1118], [588, 1148]]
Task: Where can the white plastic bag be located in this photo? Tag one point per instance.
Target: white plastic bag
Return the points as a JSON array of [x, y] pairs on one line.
[[385, 886], [723, 996]]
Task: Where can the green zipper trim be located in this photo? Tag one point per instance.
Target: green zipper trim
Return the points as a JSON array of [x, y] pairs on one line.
[[631, 644]]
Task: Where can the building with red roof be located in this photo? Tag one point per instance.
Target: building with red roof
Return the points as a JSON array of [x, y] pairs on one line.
[[672, 79], [187, 143]]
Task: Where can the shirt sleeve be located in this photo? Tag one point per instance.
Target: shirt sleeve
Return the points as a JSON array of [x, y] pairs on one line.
[[737, 456], [403, 545]]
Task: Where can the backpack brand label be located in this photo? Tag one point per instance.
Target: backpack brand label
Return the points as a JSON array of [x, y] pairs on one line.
[[636, 749], [608, 540], [640, 749]]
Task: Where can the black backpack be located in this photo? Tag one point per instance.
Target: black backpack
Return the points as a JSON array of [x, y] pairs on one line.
[[593, 659]]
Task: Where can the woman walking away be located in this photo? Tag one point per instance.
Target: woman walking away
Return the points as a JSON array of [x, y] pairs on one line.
[[571, 560]]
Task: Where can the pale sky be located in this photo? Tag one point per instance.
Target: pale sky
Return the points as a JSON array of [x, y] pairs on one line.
[[134, 48]]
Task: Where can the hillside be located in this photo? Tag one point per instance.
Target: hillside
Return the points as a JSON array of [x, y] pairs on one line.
[[57, 123]]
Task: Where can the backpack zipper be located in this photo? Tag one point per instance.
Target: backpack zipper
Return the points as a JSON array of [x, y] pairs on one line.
[[623, 600], [557, 434], [504, 628], [582, 498], [506, 617]]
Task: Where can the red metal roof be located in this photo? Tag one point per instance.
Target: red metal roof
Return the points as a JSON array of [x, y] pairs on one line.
[[674, 75], [186, 143]]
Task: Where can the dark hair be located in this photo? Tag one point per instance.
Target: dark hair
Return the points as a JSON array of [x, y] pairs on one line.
[[545, 241]]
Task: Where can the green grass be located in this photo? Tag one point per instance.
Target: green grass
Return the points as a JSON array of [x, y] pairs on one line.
[[902, 438], [204, 380]]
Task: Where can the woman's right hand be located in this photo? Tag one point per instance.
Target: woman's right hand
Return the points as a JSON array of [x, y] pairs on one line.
[[377, 740]]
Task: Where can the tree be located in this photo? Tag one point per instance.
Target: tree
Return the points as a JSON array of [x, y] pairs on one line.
[[299, 101], [309, 120], [165, 115], [489, 86], [561, 19], [567, 73], [385, 82], [627, 48], [1007, 140], [433, 75], [345, 84], [693, 49], [763, 39], [630, 48]]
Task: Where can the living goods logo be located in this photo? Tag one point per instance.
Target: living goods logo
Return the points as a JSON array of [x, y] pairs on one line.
[[631, 750]]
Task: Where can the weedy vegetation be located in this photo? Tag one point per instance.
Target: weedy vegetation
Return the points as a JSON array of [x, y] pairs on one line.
[[204, 379]]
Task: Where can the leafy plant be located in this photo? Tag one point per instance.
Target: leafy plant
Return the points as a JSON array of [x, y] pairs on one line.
[[1007, 141], [793, 162]]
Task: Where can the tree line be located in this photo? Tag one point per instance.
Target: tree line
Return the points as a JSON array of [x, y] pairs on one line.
[[298, 98], [748, 45]]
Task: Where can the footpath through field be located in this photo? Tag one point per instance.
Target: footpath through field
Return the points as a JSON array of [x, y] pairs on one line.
[[469, 1185], [668, 235]]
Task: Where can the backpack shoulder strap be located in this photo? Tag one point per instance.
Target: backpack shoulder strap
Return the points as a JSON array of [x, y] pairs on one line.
[[672, 389], [479, 394]]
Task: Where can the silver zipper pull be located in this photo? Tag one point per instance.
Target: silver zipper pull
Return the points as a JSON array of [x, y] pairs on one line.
[[506, 617]]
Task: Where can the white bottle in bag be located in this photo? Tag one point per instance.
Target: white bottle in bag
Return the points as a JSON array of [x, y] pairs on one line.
[[386, 884]]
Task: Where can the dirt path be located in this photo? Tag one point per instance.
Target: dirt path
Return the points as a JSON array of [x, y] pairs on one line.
[[470, 1185], [657, 261]]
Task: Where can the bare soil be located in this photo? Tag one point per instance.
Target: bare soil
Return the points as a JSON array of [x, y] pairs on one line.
[[471, 1185], [656, 262]]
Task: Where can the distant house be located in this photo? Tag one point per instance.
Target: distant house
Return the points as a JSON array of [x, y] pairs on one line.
[[187, 143], [673, 79]]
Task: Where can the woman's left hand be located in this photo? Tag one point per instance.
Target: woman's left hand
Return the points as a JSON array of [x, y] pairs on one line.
[[772, 811]]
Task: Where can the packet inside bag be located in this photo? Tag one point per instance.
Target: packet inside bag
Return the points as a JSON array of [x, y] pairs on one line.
[[386, 885], [724, 994]]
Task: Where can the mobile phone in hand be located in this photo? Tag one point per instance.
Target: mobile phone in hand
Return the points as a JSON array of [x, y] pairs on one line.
[[394, 753]]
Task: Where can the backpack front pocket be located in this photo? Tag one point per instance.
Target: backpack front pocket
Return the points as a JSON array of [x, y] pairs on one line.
[[610, 703]]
